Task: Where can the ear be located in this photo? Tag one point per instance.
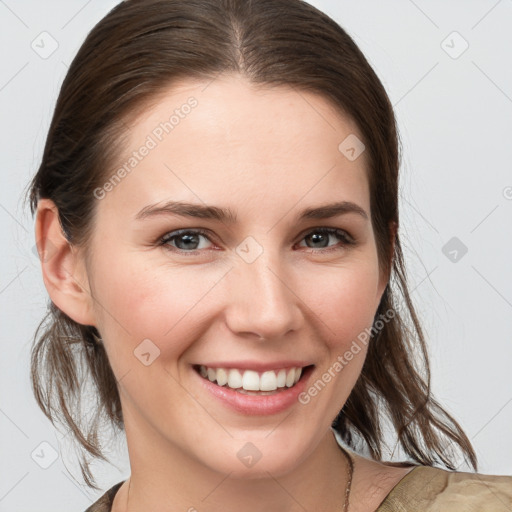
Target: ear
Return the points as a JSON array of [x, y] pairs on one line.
[[64, 272]]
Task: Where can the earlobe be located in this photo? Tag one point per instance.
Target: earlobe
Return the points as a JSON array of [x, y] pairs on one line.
[[64, 272]]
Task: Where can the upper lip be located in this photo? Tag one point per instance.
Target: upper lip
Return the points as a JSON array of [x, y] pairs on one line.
[[257, 365]]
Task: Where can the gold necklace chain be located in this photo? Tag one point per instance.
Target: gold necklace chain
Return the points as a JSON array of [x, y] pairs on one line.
[[350, 473]]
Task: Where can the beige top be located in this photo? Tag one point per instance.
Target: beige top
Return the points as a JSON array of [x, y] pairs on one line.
[[423, 489], [428, 489]]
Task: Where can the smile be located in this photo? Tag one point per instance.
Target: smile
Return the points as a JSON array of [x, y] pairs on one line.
[[248, 391], [251, 381]]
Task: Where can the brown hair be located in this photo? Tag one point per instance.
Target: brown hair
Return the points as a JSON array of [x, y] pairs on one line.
[[134, 53]]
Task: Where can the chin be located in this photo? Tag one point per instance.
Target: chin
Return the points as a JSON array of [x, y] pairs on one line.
[[247, 460]]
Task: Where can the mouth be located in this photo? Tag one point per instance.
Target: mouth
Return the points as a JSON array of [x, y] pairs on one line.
[[253, 382]]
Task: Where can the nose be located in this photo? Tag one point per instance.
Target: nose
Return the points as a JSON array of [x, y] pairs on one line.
[[261, 299]]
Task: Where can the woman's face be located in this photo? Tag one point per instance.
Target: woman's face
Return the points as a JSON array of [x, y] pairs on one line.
[[260, 288]]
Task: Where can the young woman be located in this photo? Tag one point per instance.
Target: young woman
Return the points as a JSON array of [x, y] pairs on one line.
[[217, 215]]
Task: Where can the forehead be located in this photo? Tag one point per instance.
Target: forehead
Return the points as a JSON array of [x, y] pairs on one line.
[[228, 140]]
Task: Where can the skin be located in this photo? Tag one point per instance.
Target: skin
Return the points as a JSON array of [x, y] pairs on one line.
[[266, 153]]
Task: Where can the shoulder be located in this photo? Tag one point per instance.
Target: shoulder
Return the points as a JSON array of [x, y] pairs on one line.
[[432, 489], [104, 503]]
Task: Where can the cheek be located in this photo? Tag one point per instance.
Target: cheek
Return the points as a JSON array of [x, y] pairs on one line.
[[143, 300], [345, 300]]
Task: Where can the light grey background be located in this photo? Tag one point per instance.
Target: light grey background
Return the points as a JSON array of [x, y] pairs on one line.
[[454, 110]]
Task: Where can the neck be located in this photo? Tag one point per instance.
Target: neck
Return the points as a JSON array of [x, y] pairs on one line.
[[161, 480]]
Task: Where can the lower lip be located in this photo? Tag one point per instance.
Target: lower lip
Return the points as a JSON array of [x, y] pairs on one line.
[[255, 404]]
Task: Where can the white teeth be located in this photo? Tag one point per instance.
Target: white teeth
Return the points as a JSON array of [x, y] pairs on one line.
[[222, 377], [234, 379], [268, 381], [290, 378], [250, 380], [281, 378]]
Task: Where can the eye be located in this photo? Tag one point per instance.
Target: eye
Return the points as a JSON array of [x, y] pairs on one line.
[[187, 240], [320, 237]]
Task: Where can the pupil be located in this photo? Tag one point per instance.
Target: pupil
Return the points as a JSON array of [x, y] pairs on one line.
[[187, 239], [318, 236]]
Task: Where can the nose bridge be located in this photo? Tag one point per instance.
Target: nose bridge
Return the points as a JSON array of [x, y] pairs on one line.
[[261, 297]]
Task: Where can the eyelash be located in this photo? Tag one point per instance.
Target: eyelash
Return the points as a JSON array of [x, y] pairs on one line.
[[347, 240]]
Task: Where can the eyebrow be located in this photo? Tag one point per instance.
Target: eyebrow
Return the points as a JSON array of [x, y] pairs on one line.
[[228, 216]]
